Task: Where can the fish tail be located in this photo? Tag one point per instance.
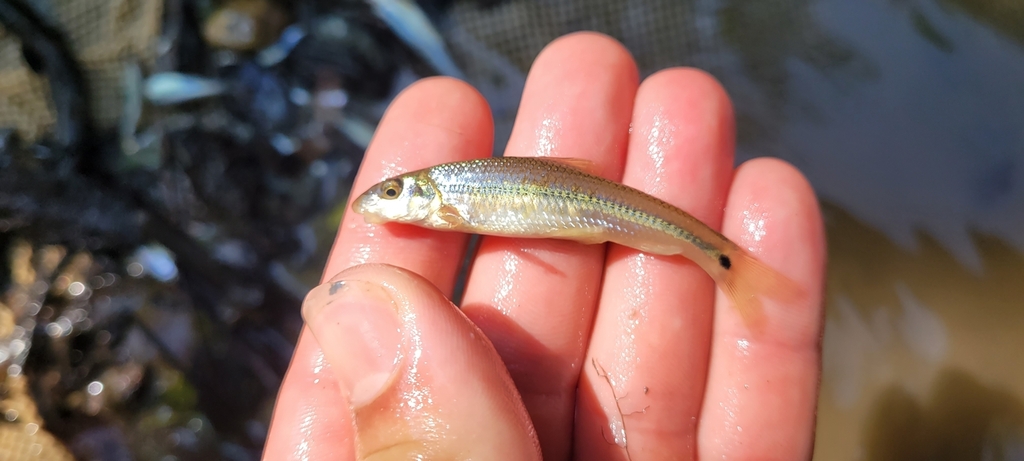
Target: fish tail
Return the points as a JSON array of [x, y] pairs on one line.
[[747, 280]]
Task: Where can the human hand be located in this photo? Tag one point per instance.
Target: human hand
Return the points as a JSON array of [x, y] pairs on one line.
[[614, 354]]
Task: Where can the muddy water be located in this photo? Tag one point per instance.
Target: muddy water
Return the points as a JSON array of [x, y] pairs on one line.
[[922, 357], [919, 166]]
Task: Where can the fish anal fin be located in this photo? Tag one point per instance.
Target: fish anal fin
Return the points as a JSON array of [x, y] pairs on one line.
[[591, 239], [582, 164], [589, 236], [660, 249]]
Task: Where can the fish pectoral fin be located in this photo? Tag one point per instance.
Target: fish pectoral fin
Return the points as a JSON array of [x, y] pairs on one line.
[[580, 164], [450, 216]]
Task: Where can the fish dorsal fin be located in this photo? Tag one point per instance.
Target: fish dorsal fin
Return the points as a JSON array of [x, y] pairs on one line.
[[581, 164]]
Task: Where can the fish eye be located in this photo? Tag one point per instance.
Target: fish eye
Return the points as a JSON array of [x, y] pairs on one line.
[[391, 189]]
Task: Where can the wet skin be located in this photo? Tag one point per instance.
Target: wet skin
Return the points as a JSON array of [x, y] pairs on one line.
[[585, 351]]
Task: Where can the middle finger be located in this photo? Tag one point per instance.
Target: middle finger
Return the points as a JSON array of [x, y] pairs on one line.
[[644, 377], [535, 299]]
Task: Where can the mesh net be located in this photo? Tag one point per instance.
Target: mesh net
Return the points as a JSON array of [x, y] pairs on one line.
[[659, 33], [496, 45], [747, 46], [104, 35], [24, 96]]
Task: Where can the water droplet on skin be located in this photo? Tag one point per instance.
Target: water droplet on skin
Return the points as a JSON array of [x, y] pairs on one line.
[[754, 222], [744, 346], [546, 139], [659, 141], [503, 298]]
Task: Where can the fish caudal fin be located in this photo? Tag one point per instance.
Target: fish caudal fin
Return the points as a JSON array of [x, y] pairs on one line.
[[748, 280]]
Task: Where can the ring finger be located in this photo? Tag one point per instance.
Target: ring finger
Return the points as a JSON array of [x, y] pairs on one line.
[[643, 381]]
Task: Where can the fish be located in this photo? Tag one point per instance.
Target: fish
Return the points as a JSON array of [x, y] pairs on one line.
[[562, 198], [169, 88]]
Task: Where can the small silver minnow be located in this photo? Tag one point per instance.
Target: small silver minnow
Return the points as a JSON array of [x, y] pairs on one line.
[[558, 198]]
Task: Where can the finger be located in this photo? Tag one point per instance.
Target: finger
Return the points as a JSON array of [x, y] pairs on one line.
[[433, 121], [437, 120], [423, 381], [535, 298], [644, 376], [763, 388]]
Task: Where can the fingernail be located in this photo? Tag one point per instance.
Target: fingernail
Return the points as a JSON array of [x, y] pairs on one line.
[[358, 328]]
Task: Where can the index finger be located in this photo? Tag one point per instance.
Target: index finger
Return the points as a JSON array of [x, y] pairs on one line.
[[434, 121]]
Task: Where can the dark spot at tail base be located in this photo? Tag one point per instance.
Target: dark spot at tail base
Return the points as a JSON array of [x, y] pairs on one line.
[[724, 261]]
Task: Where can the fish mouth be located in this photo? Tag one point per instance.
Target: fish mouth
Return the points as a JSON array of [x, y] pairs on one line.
[[359, 204]]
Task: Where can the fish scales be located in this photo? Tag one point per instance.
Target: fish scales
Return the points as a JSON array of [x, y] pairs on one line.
[[543, 197], [557, 198]]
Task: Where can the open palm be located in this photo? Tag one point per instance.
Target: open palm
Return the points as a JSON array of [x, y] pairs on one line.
[[599, 351]]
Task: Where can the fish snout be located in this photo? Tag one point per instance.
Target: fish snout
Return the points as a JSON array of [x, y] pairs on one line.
[[360, 203]]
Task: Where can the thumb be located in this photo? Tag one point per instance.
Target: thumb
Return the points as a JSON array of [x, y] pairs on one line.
[[423, 382]]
